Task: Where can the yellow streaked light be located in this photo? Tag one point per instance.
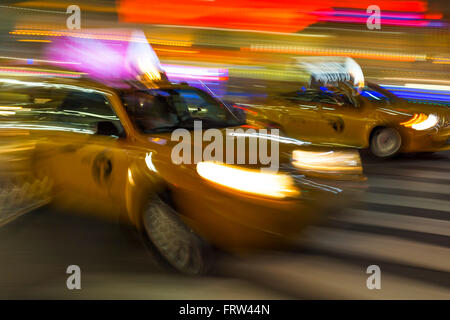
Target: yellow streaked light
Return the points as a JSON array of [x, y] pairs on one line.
[[97, 36], [130, 178], [7, 113], [34, 40], [10, 108], [344, 162], [176, 51], [249, 181]]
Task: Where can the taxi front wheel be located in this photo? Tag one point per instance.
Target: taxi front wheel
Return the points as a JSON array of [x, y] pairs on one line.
[[385, 142], [176, 243]]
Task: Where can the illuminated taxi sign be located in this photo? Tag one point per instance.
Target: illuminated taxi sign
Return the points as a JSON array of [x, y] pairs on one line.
[[107, 55], [333, 69]]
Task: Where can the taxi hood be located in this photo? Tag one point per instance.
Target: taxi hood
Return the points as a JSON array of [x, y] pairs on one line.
[[413, 107], [252, 149]]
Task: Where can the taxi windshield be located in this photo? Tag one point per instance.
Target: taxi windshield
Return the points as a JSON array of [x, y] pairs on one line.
[[162, 110], [376, 93]]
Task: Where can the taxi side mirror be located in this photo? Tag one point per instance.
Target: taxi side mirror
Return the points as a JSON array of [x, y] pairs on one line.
[[107, 128]]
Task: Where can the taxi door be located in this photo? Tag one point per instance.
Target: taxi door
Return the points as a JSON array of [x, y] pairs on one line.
[[343, 121], [89, 167], [303, 120]]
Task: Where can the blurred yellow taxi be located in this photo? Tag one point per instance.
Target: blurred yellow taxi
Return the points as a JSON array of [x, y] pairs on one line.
[[108, 150], [368, 117]]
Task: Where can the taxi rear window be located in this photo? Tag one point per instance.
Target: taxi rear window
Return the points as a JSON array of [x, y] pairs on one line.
[[60, 107]]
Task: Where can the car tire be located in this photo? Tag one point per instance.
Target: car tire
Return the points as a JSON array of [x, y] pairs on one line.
[[179, 246], [385, 142]]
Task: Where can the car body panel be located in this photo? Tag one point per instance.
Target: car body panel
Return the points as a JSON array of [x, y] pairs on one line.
[[114, 178], [350, 125]]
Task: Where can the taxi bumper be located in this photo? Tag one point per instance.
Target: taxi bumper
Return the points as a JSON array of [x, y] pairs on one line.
[[239, 223]]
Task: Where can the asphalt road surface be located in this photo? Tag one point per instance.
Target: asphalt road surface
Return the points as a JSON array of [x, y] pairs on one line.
[[401, 224]]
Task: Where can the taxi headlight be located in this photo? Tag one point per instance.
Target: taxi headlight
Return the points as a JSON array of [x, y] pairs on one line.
[[421, 121], [274, 185], [346, 162]]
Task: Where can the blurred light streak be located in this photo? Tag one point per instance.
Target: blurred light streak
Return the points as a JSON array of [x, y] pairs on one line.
[[62, 5], [428, 86], [413, 87], [99, 36], [418, 89], [130, 178], [420, 92], [420, 97], [26, 72], [335, 52], [271, 137], [385, 14], [265, 15], [245, 109], [311, 35], [387, 18], [7, 113], [34, 10], [197, 73], [38, 60], [416, 79], [330, 161], [424, 96], [33, 40], [20, 125], [175, 51], [250, 127], [383, 21], [10, 108], [440, 60]]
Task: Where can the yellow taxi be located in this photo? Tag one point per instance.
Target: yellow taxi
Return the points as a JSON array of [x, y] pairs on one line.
[[109, 150], [343, 115]]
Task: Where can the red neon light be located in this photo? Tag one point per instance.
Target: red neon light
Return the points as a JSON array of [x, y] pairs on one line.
[[245, 109], [262, 15]]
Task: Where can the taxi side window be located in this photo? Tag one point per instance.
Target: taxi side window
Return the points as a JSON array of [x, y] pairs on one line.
[[84, 109], [197, 104], [326, 98], [302, 96], [47, 106], [27, 103]]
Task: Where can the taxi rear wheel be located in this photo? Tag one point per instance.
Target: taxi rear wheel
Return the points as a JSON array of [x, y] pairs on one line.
[[385, 142], [173, 240]]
